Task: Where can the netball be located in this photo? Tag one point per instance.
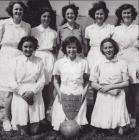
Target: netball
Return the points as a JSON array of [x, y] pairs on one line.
[[69, 128]]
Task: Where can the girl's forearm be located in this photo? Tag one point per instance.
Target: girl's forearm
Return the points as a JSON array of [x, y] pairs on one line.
[[95, 85], [56, 85], [120, 85]]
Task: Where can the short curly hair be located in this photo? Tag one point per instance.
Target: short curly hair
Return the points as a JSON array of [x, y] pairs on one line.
[[71, 6], [113, 42], [9, 9], [119, 10], [28, 39], [69, 40], [97, 6]]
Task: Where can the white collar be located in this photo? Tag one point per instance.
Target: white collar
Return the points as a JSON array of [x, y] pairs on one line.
[[67, 59], [42, 29], [115, 59], [12, 22], [31, 58]]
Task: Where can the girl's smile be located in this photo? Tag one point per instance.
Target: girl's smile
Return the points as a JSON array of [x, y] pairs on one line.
[[127, 16], [70, 16], [99, 16], [45, 19], [108, 50], [17, 11], [28, 48], [71, 51]]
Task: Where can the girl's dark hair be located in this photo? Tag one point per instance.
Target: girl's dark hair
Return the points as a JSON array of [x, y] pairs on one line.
[[9, 9], [69, 40], [118, 12], [97, 6], [113, 42], [28, 39], [64, 9], [52, 14]]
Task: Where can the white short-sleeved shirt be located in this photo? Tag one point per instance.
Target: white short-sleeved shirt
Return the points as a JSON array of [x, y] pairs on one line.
[[110, 72], [126, 36], [46, 37], [11, 33], [97, 33], [27, 71], [71, 74]]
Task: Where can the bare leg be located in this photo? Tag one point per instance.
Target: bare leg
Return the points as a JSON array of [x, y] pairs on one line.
[[7, 115]]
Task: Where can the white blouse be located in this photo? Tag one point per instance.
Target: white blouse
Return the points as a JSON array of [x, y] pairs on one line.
[[11, 33], [97, 33], [71, 74], [27, 74], [46, 37], [126, 36], [110, 72]]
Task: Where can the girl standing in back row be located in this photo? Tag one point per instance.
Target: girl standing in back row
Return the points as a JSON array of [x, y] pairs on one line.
[[46, 36], [69, 27], [11, 31], [126, 34], [96, 32]]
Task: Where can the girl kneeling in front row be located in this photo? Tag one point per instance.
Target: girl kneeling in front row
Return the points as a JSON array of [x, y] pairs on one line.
[[70, 79], [27, 81], [110, 78]]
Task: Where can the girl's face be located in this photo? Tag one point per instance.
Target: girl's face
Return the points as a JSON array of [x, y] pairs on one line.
[[99, 16], [70, 15], [127, 16], [71, 51], [28, 48], [17, 11], [45, 19], [108, 50]]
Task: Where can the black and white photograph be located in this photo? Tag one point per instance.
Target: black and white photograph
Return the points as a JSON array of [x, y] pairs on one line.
[[69, 69]]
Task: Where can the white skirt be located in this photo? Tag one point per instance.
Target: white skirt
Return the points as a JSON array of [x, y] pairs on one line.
[[94, 57], [131, 56], [6, 54], [48, 60], [22, 113], [110, 111]]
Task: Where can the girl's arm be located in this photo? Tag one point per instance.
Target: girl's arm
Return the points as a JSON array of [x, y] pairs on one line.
[[13, 85], [114, 89], [2, 30], [57, 85], [87, 46], [41, 80], [86, 85], [96, 86]]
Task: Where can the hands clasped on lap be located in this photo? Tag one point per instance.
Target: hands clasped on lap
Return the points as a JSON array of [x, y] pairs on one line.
[[28, 97]]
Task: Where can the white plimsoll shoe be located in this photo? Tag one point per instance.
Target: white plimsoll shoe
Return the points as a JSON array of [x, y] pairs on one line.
[[7, 125]]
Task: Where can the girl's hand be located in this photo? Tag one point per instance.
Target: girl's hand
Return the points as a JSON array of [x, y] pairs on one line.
[[28, 97], [105, 88], [115, 92]]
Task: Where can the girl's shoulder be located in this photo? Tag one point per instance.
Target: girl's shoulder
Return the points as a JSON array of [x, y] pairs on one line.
[[92, 26], [26, 24]]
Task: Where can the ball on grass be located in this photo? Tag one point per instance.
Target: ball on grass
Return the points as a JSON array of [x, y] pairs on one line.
[[69, 128]]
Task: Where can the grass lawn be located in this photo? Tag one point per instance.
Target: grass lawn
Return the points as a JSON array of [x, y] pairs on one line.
[[86, 134]]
